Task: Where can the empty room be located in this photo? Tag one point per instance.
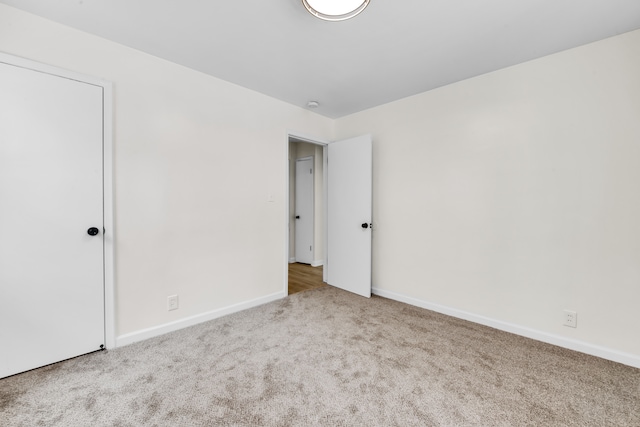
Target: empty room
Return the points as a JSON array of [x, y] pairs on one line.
[[472, 176]]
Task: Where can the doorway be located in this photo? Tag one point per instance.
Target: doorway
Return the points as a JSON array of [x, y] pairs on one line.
[[306, 244], [303, 214], [346, 225]]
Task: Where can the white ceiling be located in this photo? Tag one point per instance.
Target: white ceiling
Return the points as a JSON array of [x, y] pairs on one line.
[[394, 49]]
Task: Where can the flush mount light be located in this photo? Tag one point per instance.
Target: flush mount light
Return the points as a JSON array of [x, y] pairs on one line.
[[335, 10]]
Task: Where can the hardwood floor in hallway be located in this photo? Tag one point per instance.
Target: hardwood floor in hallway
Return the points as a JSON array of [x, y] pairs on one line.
[[303, 277]]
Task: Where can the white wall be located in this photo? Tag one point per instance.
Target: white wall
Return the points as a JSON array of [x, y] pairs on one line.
[[195, 160], [514, 195]]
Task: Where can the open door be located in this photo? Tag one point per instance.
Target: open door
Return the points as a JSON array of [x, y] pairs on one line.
[[349, 171]]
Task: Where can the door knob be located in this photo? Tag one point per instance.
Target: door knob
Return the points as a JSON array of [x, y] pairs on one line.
[[365, 225], [297, 216], [92, 231]]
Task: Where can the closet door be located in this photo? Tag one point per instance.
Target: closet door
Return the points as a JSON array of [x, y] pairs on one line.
[[51, 219]]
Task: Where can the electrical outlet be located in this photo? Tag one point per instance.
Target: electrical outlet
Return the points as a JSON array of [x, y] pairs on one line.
[[570, 319], [172, 302]]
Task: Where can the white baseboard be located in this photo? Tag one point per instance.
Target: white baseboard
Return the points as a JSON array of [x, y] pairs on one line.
[[581, 346], [155, 331], [314, 263]]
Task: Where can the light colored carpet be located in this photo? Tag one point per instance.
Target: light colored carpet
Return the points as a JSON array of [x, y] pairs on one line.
[[326, 357]]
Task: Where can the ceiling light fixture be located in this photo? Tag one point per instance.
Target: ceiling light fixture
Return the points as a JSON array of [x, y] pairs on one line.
[[335, 10], [313, 104]]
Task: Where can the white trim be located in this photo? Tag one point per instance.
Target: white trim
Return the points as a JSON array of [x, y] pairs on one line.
[[49, 69], [325, 213], [314, 263], [287, 202], [302, 137], [571, 344], [109, 236], [155, 331], [107, 185]]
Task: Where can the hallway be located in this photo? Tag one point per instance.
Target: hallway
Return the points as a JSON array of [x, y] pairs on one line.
[[303, 277]]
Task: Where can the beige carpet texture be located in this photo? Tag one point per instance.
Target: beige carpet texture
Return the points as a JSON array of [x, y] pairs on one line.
[[327, 357]]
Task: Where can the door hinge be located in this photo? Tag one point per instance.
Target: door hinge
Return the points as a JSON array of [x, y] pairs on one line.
[[309, 248], [310, 171]]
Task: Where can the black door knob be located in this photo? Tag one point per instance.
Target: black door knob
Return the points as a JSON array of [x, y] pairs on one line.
[[365, 225], [297, 216], [92, 231]]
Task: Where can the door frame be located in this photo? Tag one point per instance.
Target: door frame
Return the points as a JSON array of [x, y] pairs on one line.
[[313, 205], [295, 136], [107, 178]]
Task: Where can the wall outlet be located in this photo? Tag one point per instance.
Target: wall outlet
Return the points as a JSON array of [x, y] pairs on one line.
[[172, 302], [570, 319]]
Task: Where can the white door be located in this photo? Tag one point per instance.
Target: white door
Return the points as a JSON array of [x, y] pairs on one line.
[[304, 210], [51, 194], [349, 189]]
